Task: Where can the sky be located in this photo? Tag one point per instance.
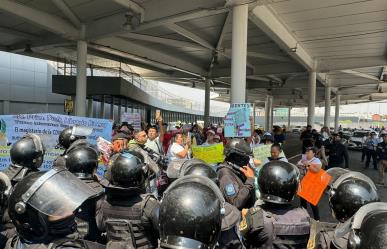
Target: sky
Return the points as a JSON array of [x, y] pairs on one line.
[[363, 109]]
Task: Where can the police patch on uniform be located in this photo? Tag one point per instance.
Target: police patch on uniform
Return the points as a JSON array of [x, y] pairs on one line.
[[230, 190]]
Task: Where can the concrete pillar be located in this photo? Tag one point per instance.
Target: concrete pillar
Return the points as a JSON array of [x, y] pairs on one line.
[[268, 112], [238, 53], [119, 111], [337, 112], [112, 108], [327, 111], [207, 101], [311, 97], [80, 90], [102, 107], [289, 117], [90, 107], [271, 114]]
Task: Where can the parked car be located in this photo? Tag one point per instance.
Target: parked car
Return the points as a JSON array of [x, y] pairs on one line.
[[297, 129], [356, 141]]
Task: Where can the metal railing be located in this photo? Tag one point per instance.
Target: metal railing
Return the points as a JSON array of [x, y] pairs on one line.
[[149, 86]]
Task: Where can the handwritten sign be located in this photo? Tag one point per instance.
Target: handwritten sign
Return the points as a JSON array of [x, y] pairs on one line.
[[210, 154], [313, 185], [237, 120], [263, 152]]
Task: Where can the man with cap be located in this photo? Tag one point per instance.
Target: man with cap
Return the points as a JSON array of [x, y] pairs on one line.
[[381, 152], [306, 138], [371, 145], [337, 152]]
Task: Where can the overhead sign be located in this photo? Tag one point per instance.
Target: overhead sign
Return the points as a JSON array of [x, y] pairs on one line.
[[133, 119], [237, 121], [48, 126], [210, 153]]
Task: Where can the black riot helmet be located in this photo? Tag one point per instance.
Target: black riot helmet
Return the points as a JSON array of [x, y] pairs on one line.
[[5, 191], [237, 151], [28, 152], [194, 166], [369, 227], [71, 134], [40, 196], [278, 182], [191, 213], [127, 171], [82, 161], [350, 192]]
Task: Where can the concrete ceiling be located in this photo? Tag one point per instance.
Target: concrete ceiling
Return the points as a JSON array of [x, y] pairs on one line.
[[185, 41]]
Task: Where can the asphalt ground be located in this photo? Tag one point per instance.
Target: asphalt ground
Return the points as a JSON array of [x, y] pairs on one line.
[[292, 149]]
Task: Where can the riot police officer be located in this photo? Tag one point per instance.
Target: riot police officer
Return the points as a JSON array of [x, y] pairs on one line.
[[69, 138], [191, 213], [230, 236], [368, 227], [83, 162], [27, 156], [347, 194], [236, 178], [127, 214], [42, 209], [277, 224]]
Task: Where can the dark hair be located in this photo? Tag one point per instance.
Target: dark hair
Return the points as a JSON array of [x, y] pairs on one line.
[[276, 145], [152, 127], [312, 149]]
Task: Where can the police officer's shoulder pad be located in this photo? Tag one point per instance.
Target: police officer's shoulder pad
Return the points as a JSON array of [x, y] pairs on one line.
[[230, 189]]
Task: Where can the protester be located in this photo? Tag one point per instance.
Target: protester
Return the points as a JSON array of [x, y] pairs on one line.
[[267, 138], [275, 152], [364, 146], [179, 150], [382, 158], [325, 133], [155, 140], [306, 138], [279, 136], [210, 137], [309, 162]]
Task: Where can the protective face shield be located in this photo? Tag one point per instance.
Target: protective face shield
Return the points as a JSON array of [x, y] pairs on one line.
[[56, 193], [81, 131], [350, 192], [70, 134], [27, 154], [191, 213], [238, 146], [177, 168], [335, 173], [367, 228]]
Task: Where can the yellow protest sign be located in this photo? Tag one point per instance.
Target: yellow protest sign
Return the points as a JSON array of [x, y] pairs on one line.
[[210, 153]]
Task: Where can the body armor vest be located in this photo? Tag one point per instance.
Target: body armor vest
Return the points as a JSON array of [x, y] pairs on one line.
[[286, 228], [125, 222], [16, 173]]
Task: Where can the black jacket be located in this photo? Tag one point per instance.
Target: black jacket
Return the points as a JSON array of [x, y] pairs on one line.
[[381, 151], [337, 153]]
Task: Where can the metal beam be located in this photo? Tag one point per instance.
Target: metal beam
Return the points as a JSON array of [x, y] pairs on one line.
[[384, 71], [20, 34], [160, 40], [148, 55], [131, 5], [68, 12], [263, 17], [267, 56], [219, 44], [360, 74], [40, 18], [188, 34]]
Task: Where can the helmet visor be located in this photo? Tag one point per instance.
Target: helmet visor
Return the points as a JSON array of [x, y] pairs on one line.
[[81, 131], [58, 193]]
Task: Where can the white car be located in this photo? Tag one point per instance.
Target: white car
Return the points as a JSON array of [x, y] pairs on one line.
[[297, 129], [356, 141]]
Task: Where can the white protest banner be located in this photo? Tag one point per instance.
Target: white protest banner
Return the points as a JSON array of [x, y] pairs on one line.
[[133, 119]]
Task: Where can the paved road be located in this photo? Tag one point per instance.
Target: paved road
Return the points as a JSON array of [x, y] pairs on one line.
[[292, 149]]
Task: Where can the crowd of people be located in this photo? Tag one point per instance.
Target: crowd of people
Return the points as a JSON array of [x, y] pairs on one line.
[[154, 195]]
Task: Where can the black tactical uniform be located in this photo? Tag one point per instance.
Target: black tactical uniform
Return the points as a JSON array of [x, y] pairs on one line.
[[347, 194], [229, 236], [82, 161], [277, 224], [368, 227], [128, 215], [26, 156], [191, 213], [338, 154], [41, 208], [237, 189]]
